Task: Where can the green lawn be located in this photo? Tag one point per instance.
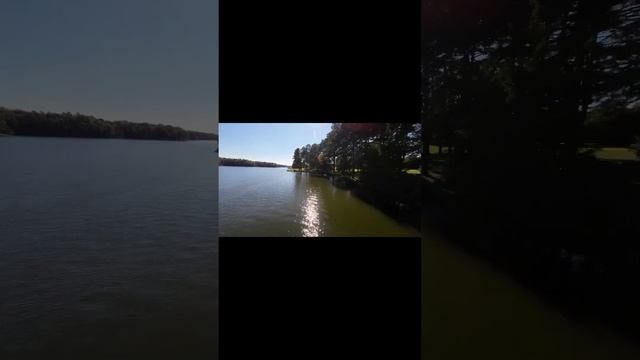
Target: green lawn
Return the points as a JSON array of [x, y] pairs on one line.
[[615, 153], [605, 153], [472, 311], [433, 149]]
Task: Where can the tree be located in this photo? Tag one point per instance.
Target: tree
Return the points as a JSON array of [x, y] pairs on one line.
[[297, 161], [514, 89], [348, 148], [304, 157]]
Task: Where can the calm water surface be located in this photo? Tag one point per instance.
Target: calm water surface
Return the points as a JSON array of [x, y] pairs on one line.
[[108, 248], [257, 201]]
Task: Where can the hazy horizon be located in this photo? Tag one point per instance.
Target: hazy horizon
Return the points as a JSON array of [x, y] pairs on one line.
[[143, 61]]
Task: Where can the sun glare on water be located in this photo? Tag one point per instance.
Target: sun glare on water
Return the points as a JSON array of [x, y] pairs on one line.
[[310, 215]]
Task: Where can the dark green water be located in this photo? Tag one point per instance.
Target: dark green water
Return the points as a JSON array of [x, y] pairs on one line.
[[471, 310], [274, 202]]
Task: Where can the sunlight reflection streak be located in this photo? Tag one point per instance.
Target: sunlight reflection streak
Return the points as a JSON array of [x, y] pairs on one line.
[[310, 215]]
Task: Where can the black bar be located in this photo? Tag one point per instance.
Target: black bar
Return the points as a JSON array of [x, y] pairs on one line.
[[328, 61], [324, 298]]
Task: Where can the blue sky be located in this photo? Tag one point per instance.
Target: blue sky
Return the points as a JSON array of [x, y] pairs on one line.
[[268, 142], [144, 60]]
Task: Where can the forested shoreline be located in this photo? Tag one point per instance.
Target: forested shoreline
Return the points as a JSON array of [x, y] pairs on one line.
[[248, 163], [373, 160], [515, 98], [32, 123]]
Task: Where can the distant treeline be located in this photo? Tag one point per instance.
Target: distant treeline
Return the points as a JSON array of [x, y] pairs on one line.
[[25, 123], [245, 162]]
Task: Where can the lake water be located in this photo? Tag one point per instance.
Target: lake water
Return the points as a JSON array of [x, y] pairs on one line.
[[256, 201], [108, 248]]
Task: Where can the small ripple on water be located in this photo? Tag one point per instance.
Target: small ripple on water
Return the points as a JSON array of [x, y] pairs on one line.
[[101, 230]]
